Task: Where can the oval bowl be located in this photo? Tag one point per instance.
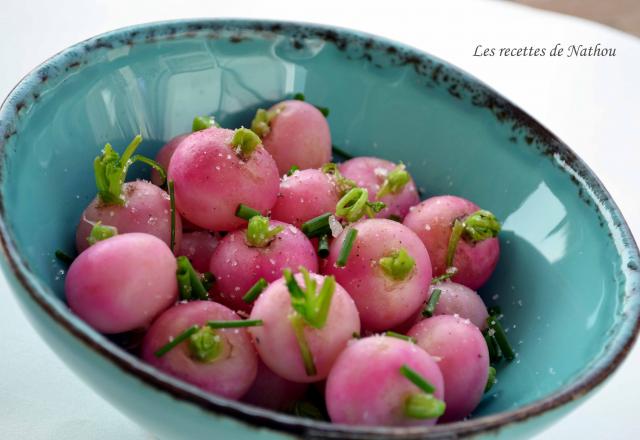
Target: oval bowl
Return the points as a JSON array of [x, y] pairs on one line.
[[568, 277]]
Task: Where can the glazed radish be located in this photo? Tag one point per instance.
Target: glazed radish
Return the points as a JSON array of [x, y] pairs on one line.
[[272, 391], [215, 170], [295, 133], [147, 209], [203, 343], [461, 353], [122, 283], [387, 272], [373, 383], [307, 323], [385, 182], [198, 246], [304, 195], [457, 233], [166, 152], [262, 250]]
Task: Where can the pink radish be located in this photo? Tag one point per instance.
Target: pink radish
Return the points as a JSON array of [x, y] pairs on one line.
[[370, 384], [215, 170], [295, 133], [198, 246], [122, 283], [272, 391], [219, 359], [457, 233]]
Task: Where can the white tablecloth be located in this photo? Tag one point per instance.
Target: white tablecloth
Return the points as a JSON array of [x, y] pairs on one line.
[[591, 103]]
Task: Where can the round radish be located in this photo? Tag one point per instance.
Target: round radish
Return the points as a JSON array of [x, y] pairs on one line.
[[367, 385], [262, 250], [461, 353], [215, 170], [164, 157], [146, 209], [386, 182], [295, 133], [304, 195], [122, 283], [298, 348], [457, 233], [198, 246], [387, 272], [221, 361], [272, 391]]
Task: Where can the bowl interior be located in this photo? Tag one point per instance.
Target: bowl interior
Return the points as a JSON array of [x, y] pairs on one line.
[[561, 278]]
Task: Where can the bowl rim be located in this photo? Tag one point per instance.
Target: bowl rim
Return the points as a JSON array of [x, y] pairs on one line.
[[603, 365]]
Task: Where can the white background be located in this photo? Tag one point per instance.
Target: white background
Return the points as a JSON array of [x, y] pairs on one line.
[[591, 103]]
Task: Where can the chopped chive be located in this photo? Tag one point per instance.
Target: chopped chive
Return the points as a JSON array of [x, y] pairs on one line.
[[494, 311], [417, 379], [308, 410], [341, 152], [491, 379], [400, 336], [450, 272], [235, 324], [297, 323], [62, 256], [423, 406], [323, 246], [299, 96], [311, 306], [394, 182], [318, 226], [172, 200], [245, 212], [492, 347], [347, 244], [254, 292], [292, 170], [454, 238], [177, 340], [395, 218], [432, 303], [189, 282], [153, 164], [323, 110], [501, 338]]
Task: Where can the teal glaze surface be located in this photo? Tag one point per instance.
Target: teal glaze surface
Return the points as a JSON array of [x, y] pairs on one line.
[[567, 280]]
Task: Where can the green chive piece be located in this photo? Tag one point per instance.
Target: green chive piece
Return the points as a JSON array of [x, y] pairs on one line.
[[235, 324], [492, 347], [501, 338], [347, 244], [423, 406], [312, 307], [398, 265], [297, 323], [478, 226], [323, 246], [417, 379], [189, 282], [259, 233], [292, 170], [400, 336], [317, 226], [176, 341], [491, 379], [172, 204], [450, 272], [432, 303], [245, 212], [153, 164], [203, 122], [395, 218], [254, 292], [101, 232], [494, 311], [62, 256], [299, 96], [205, 345], [394, 182], [308, 410]]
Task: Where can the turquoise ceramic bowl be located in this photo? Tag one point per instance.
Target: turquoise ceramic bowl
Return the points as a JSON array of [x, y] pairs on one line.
[[568, 277]]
